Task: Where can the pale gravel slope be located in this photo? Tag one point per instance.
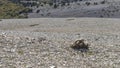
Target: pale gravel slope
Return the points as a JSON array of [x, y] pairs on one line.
[[97, 25], [23, 45]]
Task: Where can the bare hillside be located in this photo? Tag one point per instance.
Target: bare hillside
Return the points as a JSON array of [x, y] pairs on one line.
[[84, 8]]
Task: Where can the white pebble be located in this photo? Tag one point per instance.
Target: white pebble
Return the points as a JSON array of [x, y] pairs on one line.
[[52, 66]]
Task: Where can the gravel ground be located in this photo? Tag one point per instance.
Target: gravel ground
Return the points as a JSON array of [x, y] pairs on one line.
[[48, 48]]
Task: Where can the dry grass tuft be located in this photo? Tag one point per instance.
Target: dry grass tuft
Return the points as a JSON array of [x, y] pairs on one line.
[[81, 45]]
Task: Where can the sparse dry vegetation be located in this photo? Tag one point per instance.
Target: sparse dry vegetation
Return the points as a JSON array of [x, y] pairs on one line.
[[81, 45], [33, 25], [11, 10], [61, 8]]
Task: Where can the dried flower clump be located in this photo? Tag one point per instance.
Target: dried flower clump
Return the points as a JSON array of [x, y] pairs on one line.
[[80, 45]]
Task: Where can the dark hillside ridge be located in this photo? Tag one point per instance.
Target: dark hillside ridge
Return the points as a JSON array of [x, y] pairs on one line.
[[71, 8], [37, 2]]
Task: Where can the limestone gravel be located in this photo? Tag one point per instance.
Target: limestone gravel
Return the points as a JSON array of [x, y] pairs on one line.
[[52, 50], [48, 44]]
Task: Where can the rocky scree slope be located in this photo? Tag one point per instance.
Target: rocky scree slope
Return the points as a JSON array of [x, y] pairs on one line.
[[76, 8]]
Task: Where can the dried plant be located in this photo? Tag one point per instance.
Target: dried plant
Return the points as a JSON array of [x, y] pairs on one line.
[[80, 45]]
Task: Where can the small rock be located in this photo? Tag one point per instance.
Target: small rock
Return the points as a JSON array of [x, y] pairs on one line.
[[13, 50], [40, 39], [53, 66]]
